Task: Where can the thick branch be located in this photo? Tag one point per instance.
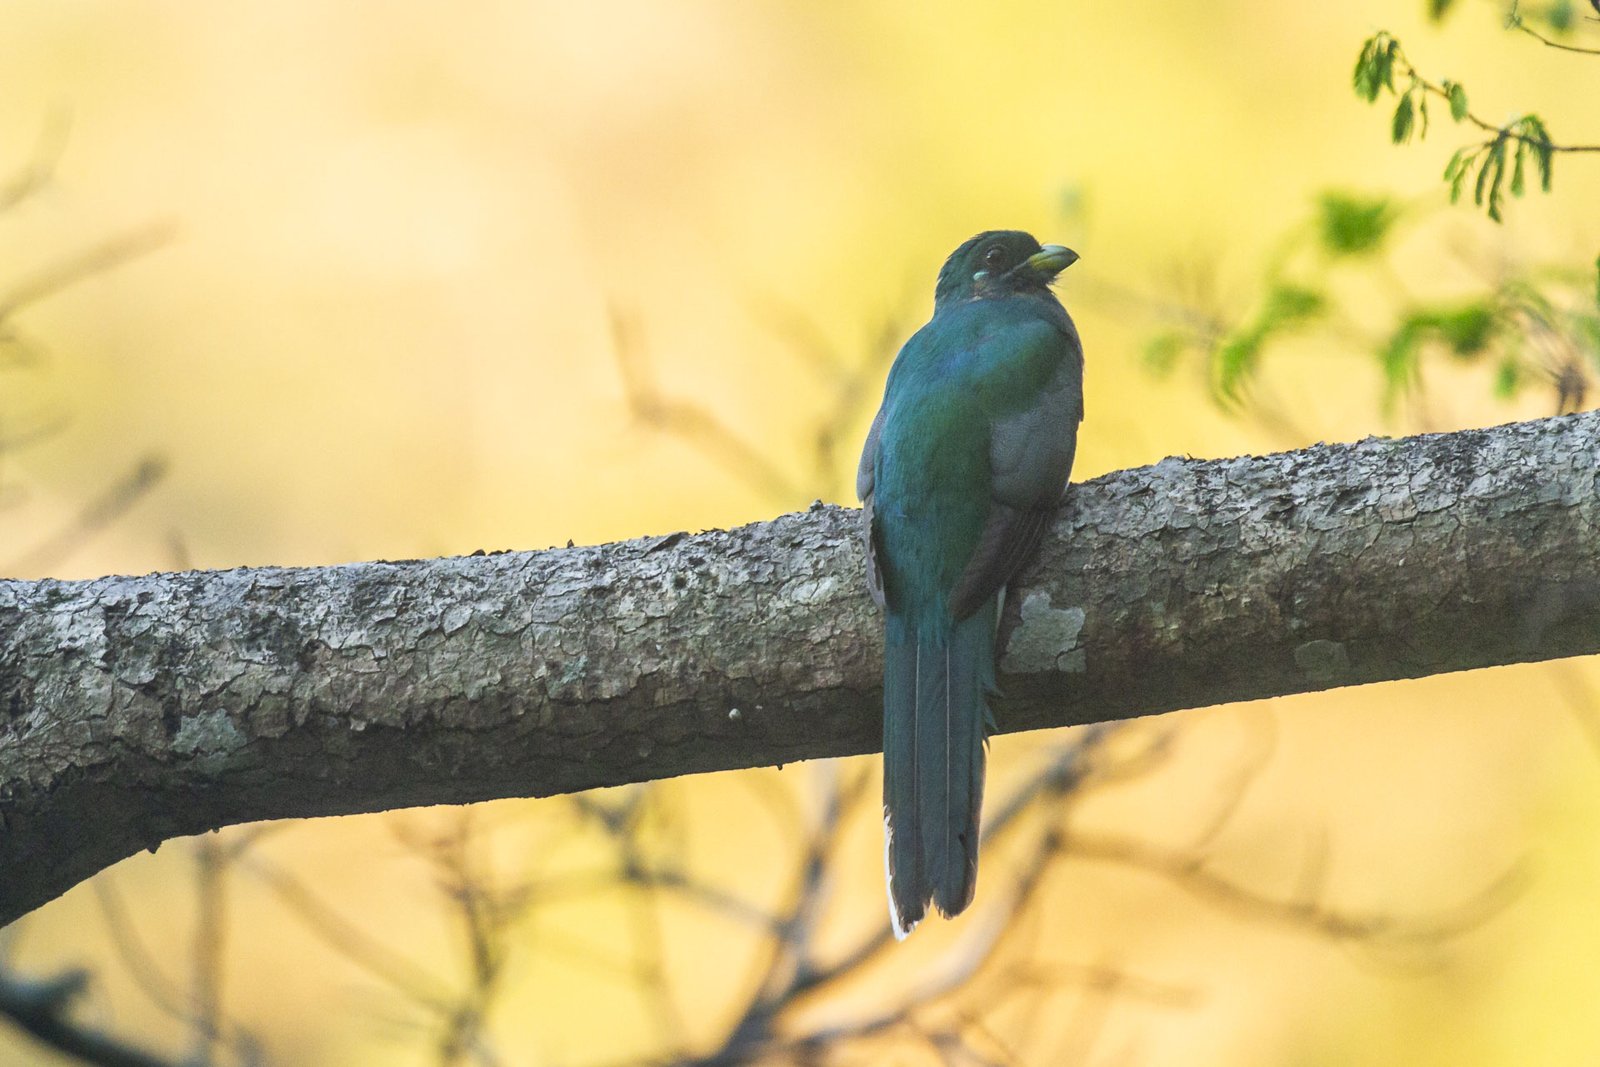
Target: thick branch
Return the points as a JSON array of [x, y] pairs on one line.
[[133, 710]]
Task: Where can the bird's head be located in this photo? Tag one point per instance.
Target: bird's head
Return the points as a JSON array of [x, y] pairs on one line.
[[1000, 263]]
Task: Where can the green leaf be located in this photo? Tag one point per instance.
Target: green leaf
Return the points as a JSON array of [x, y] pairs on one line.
[[1375, 66], [1533, 129], [1438, 9], [1288, 304], [1399, 362], [1482, 183], [1497, 157], [1491, 175], [1559, 15], [1235, 360], [1386, 62], [1422, 113], [1351, 225], [1458, 100], [1404, 118], [1589, 327], [1161, 352], [1365, 78], [1507, 377], [1516, 170], [1467, 329], [1369, 71], [1456, 171], [1460, 179]]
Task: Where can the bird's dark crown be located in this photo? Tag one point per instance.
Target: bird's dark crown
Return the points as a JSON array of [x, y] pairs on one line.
[[993, 264]]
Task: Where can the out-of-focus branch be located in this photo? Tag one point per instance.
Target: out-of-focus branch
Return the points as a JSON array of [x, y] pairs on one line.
[[851, 381], [948, 1005], [690, 422], [38, 172], [996, 962], [42, 1007], [366, 951], [97, 259], [200, 1007], [209, 949], [1515, 21], [1190, 872], [95, 516]]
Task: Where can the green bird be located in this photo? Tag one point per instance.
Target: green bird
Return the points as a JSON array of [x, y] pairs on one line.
[[965, 463]]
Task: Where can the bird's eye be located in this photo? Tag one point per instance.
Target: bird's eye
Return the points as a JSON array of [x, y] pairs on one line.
[[995, 258]]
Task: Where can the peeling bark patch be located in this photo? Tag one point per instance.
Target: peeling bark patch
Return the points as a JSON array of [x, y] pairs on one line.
[[1324, 662], [1047, 635], [211, 733]]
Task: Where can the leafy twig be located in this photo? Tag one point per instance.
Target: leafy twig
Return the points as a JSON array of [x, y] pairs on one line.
[[1382, 61]]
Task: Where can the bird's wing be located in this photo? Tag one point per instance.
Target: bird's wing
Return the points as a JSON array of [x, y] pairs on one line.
[[1030, 459], [864, 486]]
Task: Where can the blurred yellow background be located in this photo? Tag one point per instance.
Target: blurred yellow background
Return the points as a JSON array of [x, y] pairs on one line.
[[383, 327]]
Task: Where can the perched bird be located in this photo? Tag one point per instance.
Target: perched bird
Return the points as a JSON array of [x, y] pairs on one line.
[[966, 461]]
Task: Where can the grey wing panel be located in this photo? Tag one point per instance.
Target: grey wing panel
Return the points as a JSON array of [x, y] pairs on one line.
[[864, 486], [1030, 459], [869, 544], [869, 457], [1009, 540], [1031, 452]]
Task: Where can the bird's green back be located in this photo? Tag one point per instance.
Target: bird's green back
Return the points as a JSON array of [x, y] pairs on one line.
[[974, 364]]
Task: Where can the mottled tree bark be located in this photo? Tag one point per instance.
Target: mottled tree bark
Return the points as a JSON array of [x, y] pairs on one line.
[[133, 710]]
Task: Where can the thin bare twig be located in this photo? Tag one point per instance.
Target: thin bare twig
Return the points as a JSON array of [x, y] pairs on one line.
[[41, 1007], [96, 259], [136, 959], [1238, 782], [1514, 21], [40, 169], [366, 952], [94, 517], [690, 422], [853, 381], [209, 946], [1189, 872]]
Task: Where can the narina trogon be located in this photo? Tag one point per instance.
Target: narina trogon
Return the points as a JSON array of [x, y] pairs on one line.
[[964, 466]]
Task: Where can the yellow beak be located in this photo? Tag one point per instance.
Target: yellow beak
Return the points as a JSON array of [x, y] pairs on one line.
[[1051, 260]]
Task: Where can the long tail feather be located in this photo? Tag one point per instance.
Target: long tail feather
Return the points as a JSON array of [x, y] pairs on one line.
[[935, 710]]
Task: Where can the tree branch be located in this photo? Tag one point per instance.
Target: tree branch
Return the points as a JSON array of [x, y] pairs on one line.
[[41, 1008], [133, 710]]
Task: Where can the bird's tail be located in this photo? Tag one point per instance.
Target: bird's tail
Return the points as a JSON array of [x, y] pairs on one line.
[[935, 719]]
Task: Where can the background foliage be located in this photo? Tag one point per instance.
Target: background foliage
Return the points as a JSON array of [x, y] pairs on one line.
[[308, 283]]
